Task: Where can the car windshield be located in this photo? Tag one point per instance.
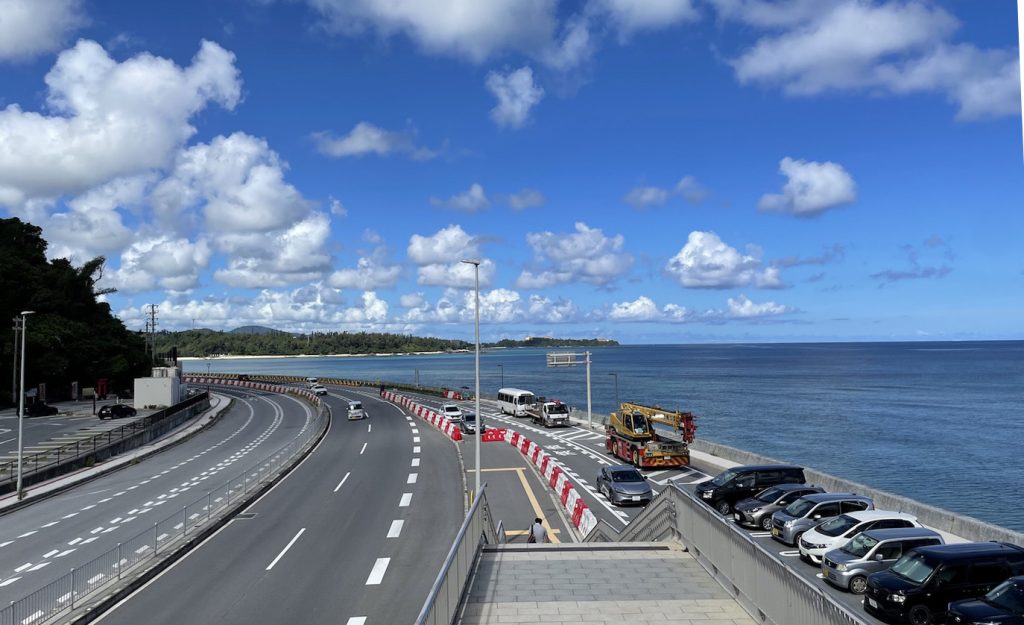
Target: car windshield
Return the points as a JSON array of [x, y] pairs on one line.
[[769, 495], [913, 567], [451, 409], [355, 406], [1009, 596], [799, 507], [723, 478], [558, 409], [627, 476], [468, 417], [859, 546], [525, 400], [837, 526]]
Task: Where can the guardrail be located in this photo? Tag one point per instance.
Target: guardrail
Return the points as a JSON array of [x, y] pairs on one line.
[[294, 379], [82, 584], [446, 593], [766, 588], [46, 464]]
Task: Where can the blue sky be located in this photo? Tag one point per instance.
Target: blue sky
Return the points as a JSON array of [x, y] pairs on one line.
[[648, 170]]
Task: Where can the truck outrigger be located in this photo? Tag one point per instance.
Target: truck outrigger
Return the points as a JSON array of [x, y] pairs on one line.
[[650, 436]]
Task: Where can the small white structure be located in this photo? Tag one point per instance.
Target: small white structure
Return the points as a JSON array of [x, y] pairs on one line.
[[161, 390]]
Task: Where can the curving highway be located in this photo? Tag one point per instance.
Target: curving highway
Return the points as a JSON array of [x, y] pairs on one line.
[[354, 535]]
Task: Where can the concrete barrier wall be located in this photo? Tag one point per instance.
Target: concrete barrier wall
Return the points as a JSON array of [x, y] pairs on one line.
[[953, 522]]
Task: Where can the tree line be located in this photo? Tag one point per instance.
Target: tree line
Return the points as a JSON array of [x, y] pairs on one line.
[[202, 342]]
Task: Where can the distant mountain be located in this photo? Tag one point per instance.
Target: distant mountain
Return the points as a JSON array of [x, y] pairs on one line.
[[254, 330]]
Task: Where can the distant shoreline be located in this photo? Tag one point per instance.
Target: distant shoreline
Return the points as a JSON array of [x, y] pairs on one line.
[[382, 354]]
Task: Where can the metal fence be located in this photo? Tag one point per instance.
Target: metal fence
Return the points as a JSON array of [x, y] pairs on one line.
[[47, 464], [82, 583], [446, 594], [766, 588]]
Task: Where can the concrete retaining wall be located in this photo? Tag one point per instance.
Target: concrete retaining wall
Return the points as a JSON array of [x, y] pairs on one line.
[[955, 523]]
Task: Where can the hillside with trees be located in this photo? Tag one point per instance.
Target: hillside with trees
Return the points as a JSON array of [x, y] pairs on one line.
[[202, 343], [72, 335], [546, 341]]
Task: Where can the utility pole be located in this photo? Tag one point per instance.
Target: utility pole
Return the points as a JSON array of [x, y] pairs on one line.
[[14, 367], [151, 310]]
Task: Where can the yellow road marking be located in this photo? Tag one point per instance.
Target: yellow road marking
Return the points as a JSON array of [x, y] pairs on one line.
[[525, 532], [537, 512]]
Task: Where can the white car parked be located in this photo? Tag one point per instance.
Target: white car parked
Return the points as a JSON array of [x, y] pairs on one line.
[[451, 412], [837, 531]]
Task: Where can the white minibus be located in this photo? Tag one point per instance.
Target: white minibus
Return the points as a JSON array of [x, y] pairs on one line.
[[514, 401]]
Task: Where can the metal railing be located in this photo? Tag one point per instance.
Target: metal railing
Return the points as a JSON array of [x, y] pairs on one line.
[[47, 464], [82, 583], [446, 594], [766, 587]]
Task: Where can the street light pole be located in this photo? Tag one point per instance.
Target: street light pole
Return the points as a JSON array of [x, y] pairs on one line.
[[616, 375], [479, 417], [590, 413], [21, 402], [502, 368]]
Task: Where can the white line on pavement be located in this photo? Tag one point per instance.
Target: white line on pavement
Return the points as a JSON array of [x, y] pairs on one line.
[[377, 574], [356, 620], [415, 462], [406, 500], [396, 528], [412, 478], [369, 427], [286, 548], [415, 439], [363, 449], [338, 487], [415, 450]]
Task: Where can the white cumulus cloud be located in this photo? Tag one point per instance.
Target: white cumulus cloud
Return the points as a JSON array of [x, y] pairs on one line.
[[632, 15], [366, 138], [642, 308], [472, 200], [706, 262], [742, 308], [277, 258], [370, 273], [646, 197], [162, 261], [811, 189], [688, 188], [586, 254], [32, 27], [111, 119], [440, 257], [524, 199], [517, 94]]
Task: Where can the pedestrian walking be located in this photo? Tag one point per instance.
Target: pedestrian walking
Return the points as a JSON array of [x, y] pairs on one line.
[[537, 532]]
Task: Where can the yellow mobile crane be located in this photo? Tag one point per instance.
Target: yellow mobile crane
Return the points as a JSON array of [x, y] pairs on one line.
[[650, 436]]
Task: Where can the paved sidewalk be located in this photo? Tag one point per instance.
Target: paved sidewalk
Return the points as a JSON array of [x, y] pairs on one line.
[[641, 583]]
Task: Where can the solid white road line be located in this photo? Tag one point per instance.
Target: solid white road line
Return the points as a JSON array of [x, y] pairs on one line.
[[396, 528], [338, 487], [377, 574], [406, 500], [286, 548], [363, 449], [356, 620]]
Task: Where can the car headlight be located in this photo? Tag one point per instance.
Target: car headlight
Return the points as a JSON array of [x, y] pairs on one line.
[[706, 494], [841, 567], [898, 598], [789, 523], [754, 510]]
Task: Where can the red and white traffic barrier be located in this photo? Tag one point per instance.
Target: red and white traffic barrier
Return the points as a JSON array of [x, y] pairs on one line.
[[442, 423], [582, 517], [313, 398]]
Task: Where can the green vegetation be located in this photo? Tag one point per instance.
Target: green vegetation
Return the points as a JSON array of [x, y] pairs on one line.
[[544, 341], [72, 336], [201, 343]]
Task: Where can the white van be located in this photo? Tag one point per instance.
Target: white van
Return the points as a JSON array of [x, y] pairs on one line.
[[515, 401], [311, 382]]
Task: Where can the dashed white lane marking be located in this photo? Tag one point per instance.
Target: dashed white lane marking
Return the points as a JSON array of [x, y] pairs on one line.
[[412, 478], [377, 573], [26, 534], [415, 439], [68, 516], [406, 500], [96, 530], [39, 566], [356, 620], [75, 541], [415, 462], [9, 581], [286, 548], [415, 450], [363, 449], [47, 555], [369, 427], [415, 431], [89, 540], [21, 568], [338, 487], [396, 528], [64, 553], [50, 524]]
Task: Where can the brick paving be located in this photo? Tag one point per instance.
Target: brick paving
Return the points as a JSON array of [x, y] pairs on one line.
[[635, 583]]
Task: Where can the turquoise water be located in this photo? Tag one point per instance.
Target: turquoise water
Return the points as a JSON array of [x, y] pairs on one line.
[[938, 422]]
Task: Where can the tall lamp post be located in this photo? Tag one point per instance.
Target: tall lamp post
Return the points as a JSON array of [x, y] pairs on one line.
[[616, 375], [479, 417], [502, 369], [21, 402]]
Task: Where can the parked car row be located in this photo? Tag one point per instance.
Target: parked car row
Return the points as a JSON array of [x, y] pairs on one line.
[[905, 571]]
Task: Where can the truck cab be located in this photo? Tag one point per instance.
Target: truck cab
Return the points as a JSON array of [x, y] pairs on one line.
[[550, 414]]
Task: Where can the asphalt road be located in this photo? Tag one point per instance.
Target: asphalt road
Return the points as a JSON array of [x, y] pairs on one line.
[[43, 541], [355, 534], [41, 429]]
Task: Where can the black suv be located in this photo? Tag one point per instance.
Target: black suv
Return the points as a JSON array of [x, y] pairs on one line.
[[743, 482], [116, 411], [920, 585], [1004, 605]]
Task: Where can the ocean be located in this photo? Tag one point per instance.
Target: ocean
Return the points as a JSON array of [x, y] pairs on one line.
[[940, 422]]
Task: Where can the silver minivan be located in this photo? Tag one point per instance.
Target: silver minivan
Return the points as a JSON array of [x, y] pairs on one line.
[[790, 523], [874, 550]]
